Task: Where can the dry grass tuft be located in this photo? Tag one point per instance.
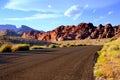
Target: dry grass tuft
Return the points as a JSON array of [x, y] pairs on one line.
[[109, 62], [20, 47], [37, 47], [6, 47]]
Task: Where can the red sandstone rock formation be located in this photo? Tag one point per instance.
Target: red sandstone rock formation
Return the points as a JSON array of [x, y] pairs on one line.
[[81, 31]]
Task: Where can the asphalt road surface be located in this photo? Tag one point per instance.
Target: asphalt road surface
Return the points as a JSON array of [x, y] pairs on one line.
[[74, 63]]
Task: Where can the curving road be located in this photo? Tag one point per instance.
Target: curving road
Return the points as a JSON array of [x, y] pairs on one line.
[[74, 63]]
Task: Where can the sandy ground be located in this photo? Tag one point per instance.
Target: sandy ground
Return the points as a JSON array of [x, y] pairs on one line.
[[74, 63]]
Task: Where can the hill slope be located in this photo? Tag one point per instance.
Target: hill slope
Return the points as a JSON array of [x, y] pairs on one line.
[[12, 30]]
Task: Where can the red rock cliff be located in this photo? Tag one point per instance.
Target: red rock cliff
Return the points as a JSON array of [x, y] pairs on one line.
[[81, 31]]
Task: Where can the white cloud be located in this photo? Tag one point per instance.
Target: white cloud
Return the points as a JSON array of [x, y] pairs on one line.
[[110, 12], [71, 11], [26, 5], [75, 11], [36, 16], [17, 5], [49, 6]]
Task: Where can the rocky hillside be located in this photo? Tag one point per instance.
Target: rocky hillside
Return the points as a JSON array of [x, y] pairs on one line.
[[8, 32], [31, 34], [12, 30], [23, 29], [81, 31]]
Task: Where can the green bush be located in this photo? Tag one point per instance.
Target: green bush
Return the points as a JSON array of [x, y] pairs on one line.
[[6, 48], [20, 47]]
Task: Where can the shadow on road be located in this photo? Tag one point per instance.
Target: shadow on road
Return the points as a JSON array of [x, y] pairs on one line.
[[4, 57], [23, 53]]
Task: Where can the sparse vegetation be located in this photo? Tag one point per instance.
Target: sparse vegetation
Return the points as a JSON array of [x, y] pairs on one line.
[[53, 46], [101, 59], [19, 40], [63, 45], [85, 42], [108, 62], [98, 73], [37, 47], [6, 47], [9, 47], [20, 47], [70, 45], [24, 47]]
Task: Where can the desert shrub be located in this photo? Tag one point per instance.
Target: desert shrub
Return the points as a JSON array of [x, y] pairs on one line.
[[52, 46], [67, 45], [37, 47], [6, 47], [105, 47], [112, 39], [20, 47], [113, 54], [79, 45], [63, 45], [98, 73], [113, 48], [71, 45], [101, 59], [108, 61]]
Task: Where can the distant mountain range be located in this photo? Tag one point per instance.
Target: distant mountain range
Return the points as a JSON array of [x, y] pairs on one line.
[[12, 30], [8, 26]]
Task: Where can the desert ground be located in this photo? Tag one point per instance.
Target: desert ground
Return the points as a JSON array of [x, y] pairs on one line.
[[73, 63]]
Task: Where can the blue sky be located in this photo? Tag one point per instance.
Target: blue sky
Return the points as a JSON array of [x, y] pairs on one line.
[[49, 14]]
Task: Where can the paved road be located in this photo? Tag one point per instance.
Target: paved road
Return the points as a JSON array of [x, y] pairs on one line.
[[74, 63]]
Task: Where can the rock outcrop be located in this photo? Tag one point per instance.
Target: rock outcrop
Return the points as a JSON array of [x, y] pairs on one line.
[[8, 32], [12, 30], [32, 34], [81, 31], [24, 29]]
